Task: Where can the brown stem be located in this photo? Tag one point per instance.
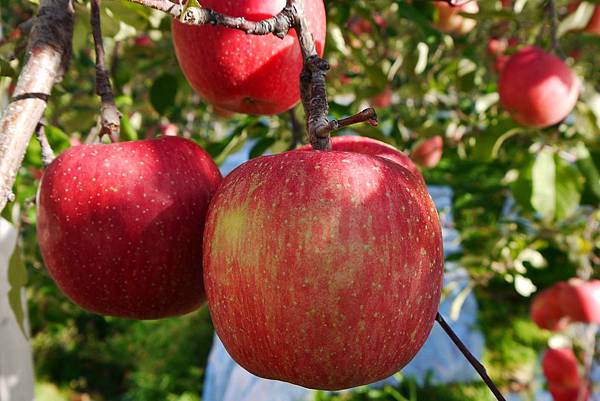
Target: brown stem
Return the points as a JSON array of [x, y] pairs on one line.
[[110, 119], [47, 152], [49, 52], [553, 15], [470, 357]]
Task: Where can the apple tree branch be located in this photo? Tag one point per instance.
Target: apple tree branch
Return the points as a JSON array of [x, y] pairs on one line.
[[48, 56]]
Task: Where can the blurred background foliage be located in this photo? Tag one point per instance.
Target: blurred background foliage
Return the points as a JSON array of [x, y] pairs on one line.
[[526, 200]]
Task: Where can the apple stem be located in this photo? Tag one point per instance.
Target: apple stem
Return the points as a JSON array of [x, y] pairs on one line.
[[47, 152], [110, 120], [470, 357]]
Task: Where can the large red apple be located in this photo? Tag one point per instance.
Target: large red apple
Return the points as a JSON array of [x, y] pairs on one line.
[[450, 20], [120, 226], [547, 311], [323, 269], [372, 147], [246, 73], [537, 89]]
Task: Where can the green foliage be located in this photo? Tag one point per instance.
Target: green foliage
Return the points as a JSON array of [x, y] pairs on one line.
[[526, 200]]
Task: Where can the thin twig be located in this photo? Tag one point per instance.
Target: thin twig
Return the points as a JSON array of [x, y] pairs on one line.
[[110, 119], [47, 152], [470, 357], [553, 15]]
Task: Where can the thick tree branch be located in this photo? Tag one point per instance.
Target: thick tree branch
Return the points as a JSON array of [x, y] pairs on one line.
[[49, 52], [110, 118]]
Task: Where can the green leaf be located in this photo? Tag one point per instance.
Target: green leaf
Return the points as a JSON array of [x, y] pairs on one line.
[[6, 70], [261, 147], [163, 93], [569, 184], [543, 174], [17, 278]]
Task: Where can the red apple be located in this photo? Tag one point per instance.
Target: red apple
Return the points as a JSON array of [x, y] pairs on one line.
[[143, 41], [322, 269], [428, 152], [120, 225], [450, 20], [568, 393], [383, 99], [580, 300], [372, 147], [560, 367], [537, 89], [546, 309], [246, 73]]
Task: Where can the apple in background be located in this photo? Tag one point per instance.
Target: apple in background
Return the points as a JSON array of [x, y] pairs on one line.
[[372, 147], [428, 152], [323, 269], [497, 48], [120, 225], [546, 309], [580, 300], [246, 73], [593, 25], [383, 99], [450, 20], [567, 393], [561, 369], [143, 41], [537, 89]]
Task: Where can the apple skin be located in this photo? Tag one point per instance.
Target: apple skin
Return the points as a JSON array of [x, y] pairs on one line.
[[580, 300], [428, 152], [322, 269], [120, 225], [537, 89], [567, 393], [372, 147], [560, 367], [450, 20], [546, 309], [246, 73]]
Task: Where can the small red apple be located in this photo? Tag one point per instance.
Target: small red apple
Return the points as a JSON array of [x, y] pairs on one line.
[[383, 99], [372, 147], [246, 73], [143, 41], [561, 367], [568, 393], [546, 309], [580, 300], [450, 20], [120, 225], [537, 89], [322, 269], [428, 152]]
